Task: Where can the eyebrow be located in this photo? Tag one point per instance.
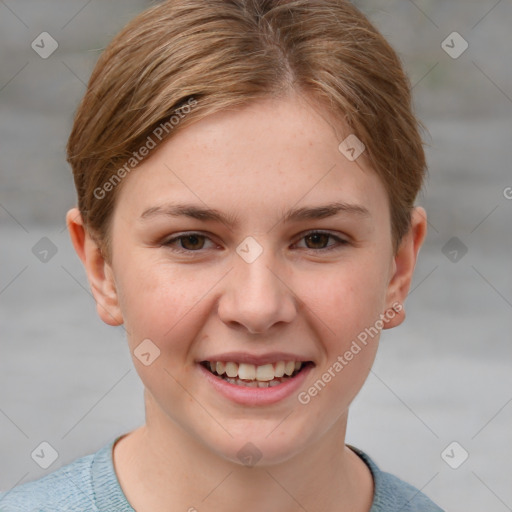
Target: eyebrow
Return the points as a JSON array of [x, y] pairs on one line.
[[293, 215]]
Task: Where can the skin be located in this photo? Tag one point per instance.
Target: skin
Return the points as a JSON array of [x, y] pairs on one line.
[[297, 296]]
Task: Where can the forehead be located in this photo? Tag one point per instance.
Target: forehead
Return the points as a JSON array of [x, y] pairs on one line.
[[268, 156]]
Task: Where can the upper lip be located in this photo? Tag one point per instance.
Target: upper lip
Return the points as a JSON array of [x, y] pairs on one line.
[[255, 359]]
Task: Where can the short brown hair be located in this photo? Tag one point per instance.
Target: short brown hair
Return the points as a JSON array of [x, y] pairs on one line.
[[225, 54]]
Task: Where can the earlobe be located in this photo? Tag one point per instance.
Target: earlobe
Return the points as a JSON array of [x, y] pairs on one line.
[[99, 271], [404, 263]]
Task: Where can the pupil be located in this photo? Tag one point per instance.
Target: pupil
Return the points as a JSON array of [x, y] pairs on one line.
[[194, 239], [318, 238]]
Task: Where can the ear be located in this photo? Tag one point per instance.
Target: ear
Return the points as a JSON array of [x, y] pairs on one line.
[[403, 267], [99, 272]]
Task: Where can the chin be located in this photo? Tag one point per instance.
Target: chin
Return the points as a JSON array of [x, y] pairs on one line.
[[259, 449]]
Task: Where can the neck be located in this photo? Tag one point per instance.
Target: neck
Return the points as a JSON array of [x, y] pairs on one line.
[[160, 463]]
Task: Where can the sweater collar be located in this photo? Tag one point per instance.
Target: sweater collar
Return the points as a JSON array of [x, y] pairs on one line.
[[109, 495]]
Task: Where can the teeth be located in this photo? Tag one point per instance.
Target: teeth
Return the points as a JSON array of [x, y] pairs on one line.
[[231, 369], [247, 371], [221, 367], [265, 372], [263, 376], [279, 371], [253, 383], [289, 367]]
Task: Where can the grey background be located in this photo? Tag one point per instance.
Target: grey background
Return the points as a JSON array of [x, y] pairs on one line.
[[443, 376]]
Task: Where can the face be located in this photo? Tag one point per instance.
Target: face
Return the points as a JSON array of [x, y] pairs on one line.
[[251, 241]]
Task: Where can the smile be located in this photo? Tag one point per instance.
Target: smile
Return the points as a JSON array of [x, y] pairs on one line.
[[250, 375]]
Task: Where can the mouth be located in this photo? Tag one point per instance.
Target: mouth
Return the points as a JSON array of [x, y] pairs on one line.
[[254, 376]]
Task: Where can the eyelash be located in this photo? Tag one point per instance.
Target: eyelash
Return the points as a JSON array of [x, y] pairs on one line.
[[339, 242]]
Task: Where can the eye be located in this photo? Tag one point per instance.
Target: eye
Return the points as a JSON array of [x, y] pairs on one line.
[[195, 242], [318, 240], [189, 242]]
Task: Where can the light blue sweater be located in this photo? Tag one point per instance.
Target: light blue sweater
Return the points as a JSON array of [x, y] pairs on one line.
[[90, 484]]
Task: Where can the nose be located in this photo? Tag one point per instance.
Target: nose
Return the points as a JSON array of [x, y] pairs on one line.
[[255, 297]]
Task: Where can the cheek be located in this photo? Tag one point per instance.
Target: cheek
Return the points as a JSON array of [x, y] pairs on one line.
[[162, 303], [345, 306], [163, 306], [347, 297]]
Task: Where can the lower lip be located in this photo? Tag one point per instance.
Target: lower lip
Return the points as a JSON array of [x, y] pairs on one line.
[[256, 396]]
